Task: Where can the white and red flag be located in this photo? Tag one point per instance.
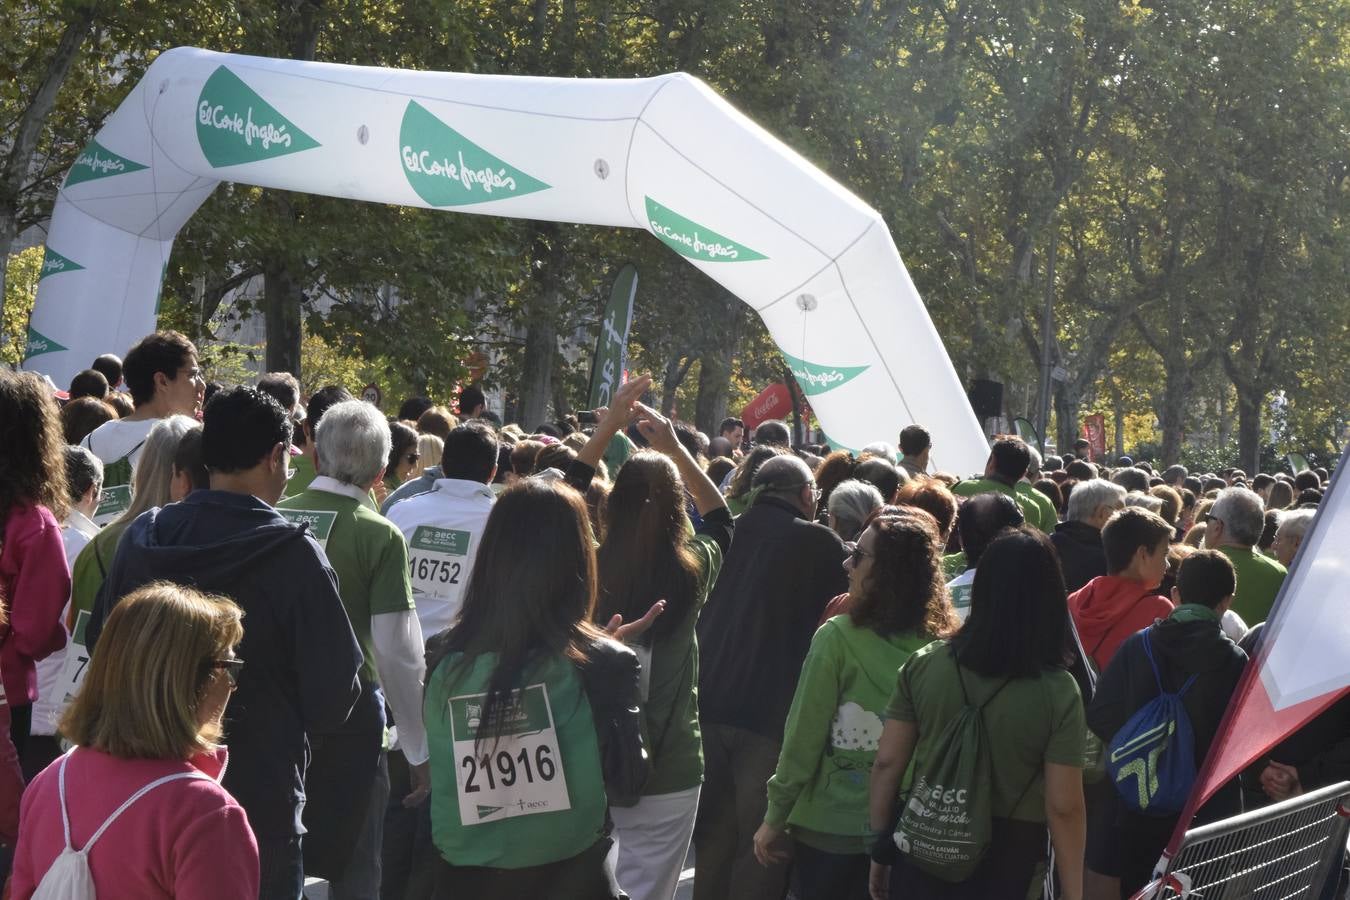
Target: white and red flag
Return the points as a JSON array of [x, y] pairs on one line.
[[1303, 663]]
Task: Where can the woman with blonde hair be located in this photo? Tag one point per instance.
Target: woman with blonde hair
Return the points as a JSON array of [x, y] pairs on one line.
[[152, 485], [139, 796]]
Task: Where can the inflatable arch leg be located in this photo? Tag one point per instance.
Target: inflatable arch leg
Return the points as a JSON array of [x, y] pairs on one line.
[[666, 154]]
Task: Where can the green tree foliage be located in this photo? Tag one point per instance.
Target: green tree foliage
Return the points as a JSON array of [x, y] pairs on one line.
[[1187, 161]]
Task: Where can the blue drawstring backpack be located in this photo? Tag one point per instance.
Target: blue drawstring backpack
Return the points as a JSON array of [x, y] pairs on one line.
[[1151, 759]]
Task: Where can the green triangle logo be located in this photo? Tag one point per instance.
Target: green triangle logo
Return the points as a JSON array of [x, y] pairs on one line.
[[39, 344], [485, 811], [96, 161], [816, 379], [447, 169], [236, 126], [692, 239], [54, 263]]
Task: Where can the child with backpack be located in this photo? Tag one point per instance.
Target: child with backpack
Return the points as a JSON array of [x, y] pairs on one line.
[[1106, 611], [992, 721], [1168, 686]]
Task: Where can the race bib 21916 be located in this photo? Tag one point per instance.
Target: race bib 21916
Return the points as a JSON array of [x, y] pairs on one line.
[[517, 773]]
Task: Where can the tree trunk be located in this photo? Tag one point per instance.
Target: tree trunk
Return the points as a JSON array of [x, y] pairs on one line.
[[714, 384], [714, 374], [1225, 421], [541, 327], [1172, 410], [1066, 417], [283, 298], [283, 289], [536, 377], [26, 132], [1249, 431], [676, 369]]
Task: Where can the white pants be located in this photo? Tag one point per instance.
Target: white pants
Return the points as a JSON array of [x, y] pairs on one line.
[[653, 839]]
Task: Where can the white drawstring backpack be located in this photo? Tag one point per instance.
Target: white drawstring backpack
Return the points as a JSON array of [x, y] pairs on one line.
[[69, 877]]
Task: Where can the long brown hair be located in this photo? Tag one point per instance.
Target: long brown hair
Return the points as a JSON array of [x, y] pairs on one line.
[[30, 431], [744, 478], [531, 594], [645, 556], [904, 590]]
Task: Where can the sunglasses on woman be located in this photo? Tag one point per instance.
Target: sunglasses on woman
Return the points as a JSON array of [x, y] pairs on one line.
[[232, 668]]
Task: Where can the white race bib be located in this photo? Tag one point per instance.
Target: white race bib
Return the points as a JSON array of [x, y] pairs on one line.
[[112, 502], [76, 664], [436, 561], [320, 522], [518, 774]]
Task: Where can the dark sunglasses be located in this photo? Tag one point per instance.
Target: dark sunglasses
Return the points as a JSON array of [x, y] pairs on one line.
[[232, 668]]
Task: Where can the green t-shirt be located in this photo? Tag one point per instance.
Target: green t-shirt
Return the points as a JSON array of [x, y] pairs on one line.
[[1047, 517], [1031, 511], [541, 796], [1258, 581], [1032, 721], [820, 786], [368, 554], [670, 709], [298, 483]]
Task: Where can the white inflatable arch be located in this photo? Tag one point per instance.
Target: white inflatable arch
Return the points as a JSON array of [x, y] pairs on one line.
[[666, 154]]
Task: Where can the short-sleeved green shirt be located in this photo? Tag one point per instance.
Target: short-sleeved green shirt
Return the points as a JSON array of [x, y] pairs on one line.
[[1258, 582], [370, 558], [1031, 722], [1031, 511]]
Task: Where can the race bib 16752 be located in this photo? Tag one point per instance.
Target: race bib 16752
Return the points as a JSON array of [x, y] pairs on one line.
[[436, 559]]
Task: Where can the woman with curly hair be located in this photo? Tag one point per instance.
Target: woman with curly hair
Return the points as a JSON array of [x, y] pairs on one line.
[[819, 792], [833, 471], [34, 578]]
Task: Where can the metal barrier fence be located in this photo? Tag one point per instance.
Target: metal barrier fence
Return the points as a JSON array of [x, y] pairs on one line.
[[1287, 850]]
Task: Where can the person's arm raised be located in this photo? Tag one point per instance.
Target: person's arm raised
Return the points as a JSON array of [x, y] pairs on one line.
[[615, 418], [660, 433]]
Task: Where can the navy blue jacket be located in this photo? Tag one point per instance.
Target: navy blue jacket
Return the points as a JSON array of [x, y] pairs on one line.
[[301, 658]]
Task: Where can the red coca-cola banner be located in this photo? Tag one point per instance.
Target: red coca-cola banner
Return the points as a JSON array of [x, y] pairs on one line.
[[1094, 429], [774, 402]]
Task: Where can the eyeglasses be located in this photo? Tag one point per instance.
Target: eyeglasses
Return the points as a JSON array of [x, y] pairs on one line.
[[815, 491], [858, 555], [232, 668]]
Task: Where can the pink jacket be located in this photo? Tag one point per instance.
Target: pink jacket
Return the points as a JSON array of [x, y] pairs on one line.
[[34, 586], [184, 840]]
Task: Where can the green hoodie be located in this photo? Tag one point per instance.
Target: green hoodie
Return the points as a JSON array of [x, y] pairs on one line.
[[820, 787]]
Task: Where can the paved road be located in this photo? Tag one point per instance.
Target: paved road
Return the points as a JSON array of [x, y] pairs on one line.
[[318, 890]]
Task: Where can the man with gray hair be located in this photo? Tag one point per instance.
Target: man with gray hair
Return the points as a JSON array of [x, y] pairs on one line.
[[1078, 539], [1233, 526], [753, 635], [348, 781], [1289, 535]]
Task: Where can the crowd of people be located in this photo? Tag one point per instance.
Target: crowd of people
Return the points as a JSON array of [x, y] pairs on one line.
[[453, 658]]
